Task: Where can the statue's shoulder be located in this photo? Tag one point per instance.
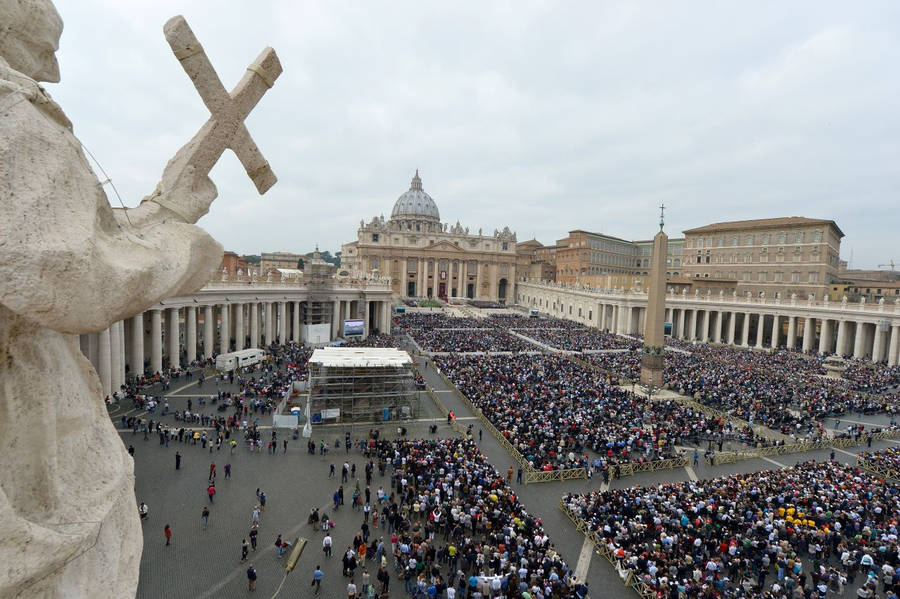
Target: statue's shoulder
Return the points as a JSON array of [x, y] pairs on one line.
[[14, 83]]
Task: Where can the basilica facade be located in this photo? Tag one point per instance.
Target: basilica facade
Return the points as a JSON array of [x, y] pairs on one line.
[[424, 257]]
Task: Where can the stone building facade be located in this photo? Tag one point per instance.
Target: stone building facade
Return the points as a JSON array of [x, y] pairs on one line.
[[274, 260], [789, 255], [424, 257]]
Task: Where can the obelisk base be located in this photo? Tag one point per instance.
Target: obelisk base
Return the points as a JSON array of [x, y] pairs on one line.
[[652, 367]]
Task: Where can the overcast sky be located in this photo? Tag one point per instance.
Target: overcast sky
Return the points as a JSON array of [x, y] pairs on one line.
[[545, 117]]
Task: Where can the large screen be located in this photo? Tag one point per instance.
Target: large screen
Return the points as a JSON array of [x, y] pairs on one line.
[[354, 328]]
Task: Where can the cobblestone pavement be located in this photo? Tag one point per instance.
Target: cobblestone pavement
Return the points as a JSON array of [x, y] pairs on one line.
[[205, 563]]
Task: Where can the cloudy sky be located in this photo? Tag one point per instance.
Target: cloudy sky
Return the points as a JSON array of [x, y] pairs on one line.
[[541, 116]]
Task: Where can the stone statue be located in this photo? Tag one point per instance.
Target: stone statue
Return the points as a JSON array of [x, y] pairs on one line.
[[71, 264]]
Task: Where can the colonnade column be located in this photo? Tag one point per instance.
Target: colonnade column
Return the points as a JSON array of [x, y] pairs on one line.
[[894, 349], [825, 336], [209, 332], [224, 329], [156, 341], [190, 333], [776, 330], [115, 357], [704, 334], [477, 278], [387, 317], [808, 331], [841, 338], [335, 319], [693, 332], [104, 365], [759, 330], [792, 332], [174, 336], [137, 344], [717, 331], [295, 333], [239, 337], [732, 323], [859, 340], [745, 333], [877, 345], [270, 320], [254, 324], [681, 329]]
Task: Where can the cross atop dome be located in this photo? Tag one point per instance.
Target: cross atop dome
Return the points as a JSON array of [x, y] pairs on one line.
[[416, 182]]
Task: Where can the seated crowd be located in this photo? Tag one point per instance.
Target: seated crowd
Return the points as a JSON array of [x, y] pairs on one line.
[[886, 460], [571, 410], [813, 526], [455, 522]]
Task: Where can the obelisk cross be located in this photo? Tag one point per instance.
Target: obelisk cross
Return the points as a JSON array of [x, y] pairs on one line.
[[662, 216], [225, 127]]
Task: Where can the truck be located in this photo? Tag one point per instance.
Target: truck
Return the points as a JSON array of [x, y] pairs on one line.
[[239, 359]]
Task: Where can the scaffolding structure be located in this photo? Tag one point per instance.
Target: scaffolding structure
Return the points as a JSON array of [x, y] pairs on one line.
[[361, 384]]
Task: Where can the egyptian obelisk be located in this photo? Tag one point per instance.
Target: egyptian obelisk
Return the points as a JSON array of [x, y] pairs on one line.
[[653, 358]]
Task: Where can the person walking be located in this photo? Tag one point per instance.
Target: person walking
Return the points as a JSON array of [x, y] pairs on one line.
[[318, 575], [326, 544], [251, 578], [167, 531], [177, 461], [204, 517], [211, 491], [254, 533], [245, 549], [227, 471]]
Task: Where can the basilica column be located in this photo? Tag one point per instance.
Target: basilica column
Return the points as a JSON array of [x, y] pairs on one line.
[[282, 313], [681, 329], [478, 268], [224, 329], [792, 332], [254, 324], [155, 340], [420, 275], [173, 334], [841, 337], [745, 333], [190, 332], [732, 323], [693, 328], [808, 332], [894, 349], [239, 338], [267, 324], [137, 344], [295, 333], [209, 332], [859, 340], [761, 322], [105, 362]]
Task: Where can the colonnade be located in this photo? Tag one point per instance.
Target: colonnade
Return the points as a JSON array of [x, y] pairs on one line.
[[870, 332], [183, 331]]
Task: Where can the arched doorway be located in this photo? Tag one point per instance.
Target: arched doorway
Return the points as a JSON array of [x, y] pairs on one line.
[[501, 290], [470, 291]]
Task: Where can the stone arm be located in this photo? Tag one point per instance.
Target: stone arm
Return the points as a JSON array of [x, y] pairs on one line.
[[68, 262]]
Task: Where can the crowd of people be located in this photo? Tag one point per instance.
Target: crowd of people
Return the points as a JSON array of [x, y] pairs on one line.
[[797, 532], [469, 340], [783, 390], [566, 335], [571, 410], [447, 525], [886, 460]]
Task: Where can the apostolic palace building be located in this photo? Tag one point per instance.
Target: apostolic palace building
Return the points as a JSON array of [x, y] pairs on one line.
[[423, 257]]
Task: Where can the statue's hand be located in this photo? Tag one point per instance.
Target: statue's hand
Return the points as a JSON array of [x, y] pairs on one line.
[[184, 191]]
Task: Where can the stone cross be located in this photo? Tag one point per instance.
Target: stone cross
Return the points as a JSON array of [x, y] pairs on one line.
[[225, 127]]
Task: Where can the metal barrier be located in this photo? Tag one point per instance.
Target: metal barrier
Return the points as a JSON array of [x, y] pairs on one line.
[[730, 457], [631, 468], [877, 470], [456, 426], [628, 578], [543, 476]]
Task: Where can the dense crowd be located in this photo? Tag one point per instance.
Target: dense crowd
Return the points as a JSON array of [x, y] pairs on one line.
[[452, 522], [571, 409], [469, 340], [571, 336], [815, 527], [886, 460], [783, 390]]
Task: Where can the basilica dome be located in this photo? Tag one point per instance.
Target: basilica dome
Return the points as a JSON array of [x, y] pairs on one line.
[[415, 204]]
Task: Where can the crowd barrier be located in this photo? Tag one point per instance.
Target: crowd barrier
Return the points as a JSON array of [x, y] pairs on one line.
[[730, 457], [627, 576], [877, 470], [456, 426]]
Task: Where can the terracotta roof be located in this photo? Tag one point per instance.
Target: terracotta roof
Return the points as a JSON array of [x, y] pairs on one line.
[[763, 223]]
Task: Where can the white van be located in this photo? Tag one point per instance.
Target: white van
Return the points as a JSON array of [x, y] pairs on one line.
[[239, 359]]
